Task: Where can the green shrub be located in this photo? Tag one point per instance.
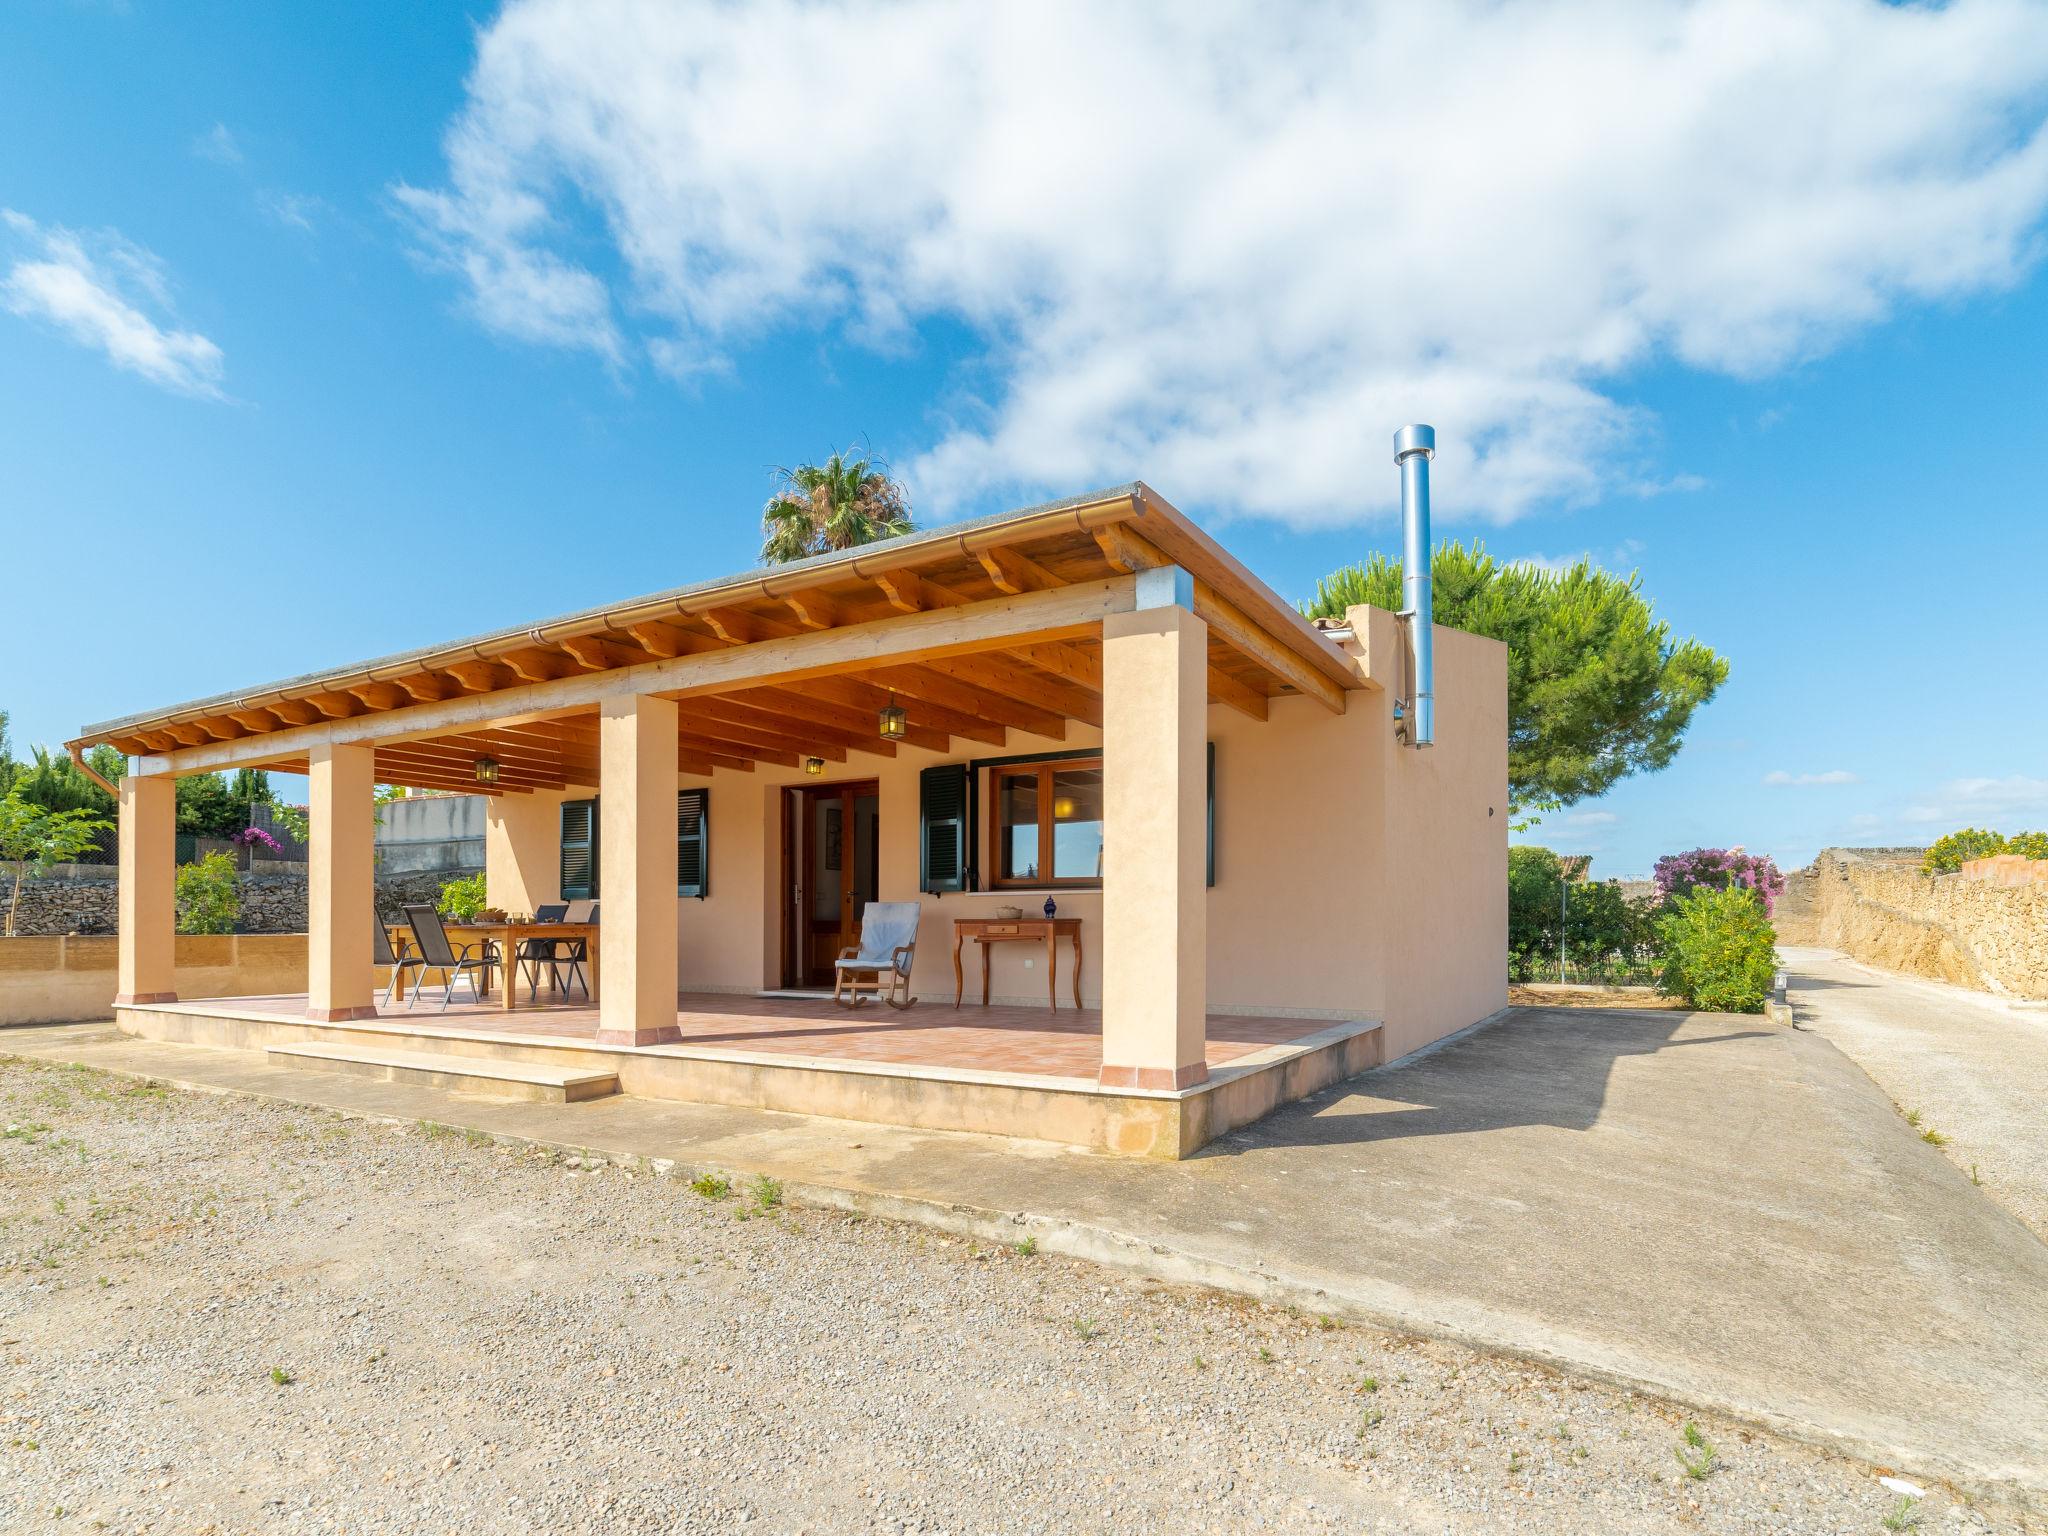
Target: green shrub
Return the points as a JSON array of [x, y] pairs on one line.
[[2028, 845], [208, 897], [1720, 950], [1950, 853], [462, 899]]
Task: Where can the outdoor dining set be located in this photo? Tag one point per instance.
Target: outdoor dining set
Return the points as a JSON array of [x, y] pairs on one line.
[[559, 940]]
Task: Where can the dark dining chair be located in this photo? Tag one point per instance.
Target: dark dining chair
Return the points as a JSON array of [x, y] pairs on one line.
[[535, 953], [472, 961], [574, 954], [399, 960]]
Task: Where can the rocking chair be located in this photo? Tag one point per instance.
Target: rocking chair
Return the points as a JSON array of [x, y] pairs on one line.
[[881, 962]]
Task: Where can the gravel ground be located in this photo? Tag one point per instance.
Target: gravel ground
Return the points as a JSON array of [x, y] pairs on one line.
[[227, 1315]]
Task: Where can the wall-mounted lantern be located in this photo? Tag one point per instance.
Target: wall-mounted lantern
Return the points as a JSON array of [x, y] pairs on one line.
[[814, 766], [487, 770]]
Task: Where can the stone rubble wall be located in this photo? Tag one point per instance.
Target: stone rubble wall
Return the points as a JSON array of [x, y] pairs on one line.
[[273, 900], [1982, 928]]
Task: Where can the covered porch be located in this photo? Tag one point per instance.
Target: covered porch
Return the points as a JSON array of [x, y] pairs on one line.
[[661, 756]]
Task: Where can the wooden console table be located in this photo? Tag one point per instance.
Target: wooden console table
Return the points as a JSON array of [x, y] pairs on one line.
[[1019, 930]]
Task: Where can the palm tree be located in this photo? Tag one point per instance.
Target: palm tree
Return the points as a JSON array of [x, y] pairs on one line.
[[839, 504]]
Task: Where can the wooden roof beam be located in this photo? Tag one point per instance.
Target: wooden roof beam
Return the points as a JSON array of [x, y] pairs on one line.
[[541, 666], [800, 725], [254, 719], [665, 640], [921, 682], [1240, 696], [1015, 572], [853, 721], [998, 674], [381, 695], [482, 676], [600, 654], [1228, 623], [431, 687], [736, 754], [337, 706], [734, 627], [813, 609], [854, 693]]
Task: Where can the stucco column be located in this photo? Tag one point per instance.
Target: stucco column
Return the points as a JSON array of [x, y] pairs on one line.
[[341, 883], [147, 900], [636, 934], [1154, 901]]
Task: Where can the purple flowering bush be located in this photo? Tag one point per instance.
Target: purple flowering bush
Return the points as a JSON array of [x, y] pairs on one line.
[[1719, 869], [249, 837]]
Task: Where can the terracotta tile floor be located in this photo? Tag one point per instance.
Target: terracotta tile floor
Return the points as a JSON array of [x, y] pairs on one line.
[[994, 1039]]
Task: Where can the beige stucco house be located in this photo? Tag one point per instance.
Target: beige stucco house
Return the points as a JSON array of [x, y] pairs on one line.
[[1260, 886]]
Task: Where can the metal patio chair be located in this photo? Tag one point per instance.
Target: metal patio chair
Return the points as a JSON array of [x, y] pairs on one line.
[[535, 953], [473, 961], [399, 960], [881, 962]]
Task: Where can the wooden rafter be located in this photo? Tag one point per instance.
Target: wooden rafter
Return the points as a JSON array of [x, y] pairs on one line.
[[380, 695], [600, 654], [997, 674], [482, 676], [1015, 572], [921, 682], [814, 609], [539, 666], [337, 706], [869, 697], [431, 687]]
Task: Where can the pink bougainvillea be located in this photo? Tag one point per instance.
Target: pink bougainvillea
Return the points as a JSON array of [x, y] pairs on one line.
[[248, 837], [1677, 873]]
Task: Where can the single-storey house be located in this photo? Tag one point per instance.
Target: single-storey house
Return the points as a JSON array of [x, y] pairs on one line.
[[1176, 856]]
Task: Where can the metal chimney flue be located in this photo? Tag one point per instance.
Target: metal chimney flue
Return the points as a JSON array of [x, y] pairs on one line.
[[1414, 447]]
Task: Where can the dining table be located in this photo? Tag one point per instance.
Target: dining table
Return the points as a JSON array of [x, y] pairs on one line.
[[509, 934]]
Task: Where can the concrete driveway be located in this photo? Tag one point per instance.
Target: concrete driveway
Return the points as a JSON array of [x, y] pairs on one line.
[[1710, 1206], [1974, 1067]]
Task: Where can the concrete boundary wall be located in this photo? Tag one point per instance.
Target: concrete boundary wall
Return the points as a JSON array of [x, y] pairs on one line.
[[57, 980]]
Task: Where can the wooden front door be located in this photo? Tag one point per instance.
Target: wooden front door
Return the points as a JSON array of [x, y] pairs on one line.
[[832, 857]]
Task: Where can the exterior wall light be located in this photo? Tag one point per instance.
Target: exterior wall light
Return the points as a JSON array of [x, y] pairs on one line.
[[487, 770], [895, 723], [814, 766]]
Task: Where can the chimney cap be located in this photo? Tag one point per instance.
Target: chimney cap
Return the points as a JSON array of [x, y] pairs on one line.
[[1415, 438]]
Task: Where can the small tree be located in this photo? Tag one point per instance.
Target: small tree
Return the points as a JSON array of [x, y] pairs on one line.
[[1952, 852], [32, 838], [1679, 873], [1720, 951], [1598, 686], [209, 898], [2028, 845]]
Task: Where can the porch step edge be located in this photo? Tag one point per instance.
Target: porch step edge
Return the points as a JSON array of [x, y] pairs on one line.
[[536, 1081]]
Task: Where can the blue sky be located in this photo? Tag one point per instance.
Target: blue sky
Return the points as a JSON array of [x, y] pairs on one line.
[[328, 333]]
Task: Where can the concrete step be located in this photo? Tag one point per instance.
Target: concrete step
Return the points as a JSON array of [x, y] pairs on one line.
[[458, 1074]]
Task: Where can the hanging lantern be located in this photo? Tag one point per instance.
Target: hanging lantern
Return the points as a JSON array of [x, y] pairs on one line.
[[895, 723], [487, 770], [814, 766]]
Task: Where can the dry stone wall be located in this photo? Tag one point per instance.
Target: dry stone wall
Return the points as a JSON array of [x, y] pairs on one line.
[[1967, 928], [273, 901]]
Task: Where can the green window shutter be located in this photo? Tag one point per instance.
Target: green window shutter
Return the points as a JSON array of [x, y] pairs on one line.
[[1212, 813], [693, 842], [579, 850], [947, 835]]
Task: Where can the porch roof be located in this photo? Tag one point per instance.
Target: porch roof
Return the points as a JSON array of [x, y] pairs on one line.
[[1260, 648]]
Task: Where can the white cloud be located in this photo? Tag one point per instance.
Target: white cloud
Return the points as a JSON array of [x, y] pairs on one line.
[[1831, 776], [1231, 248], [1589, 819], [2003, 804], [95, 290], [294, 210], [218, 145]]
